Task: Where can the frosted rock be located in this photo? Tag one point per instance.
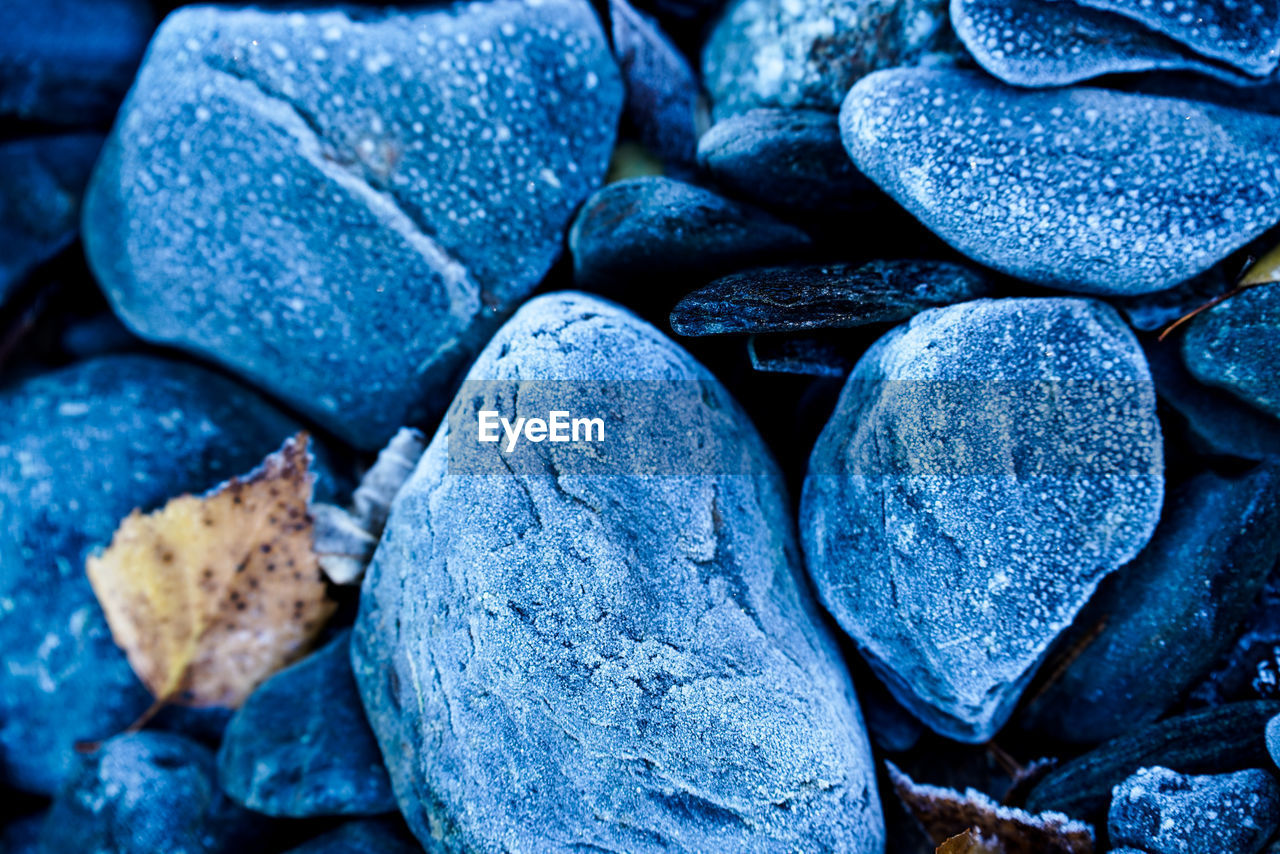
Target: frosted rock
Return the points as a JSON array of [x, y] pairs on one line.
[[1246, 35], [1162, 812], [560, 661], [807, 53], [1053, 42], [1235, 346], [987, 464], [1080, 189], [342, 206]]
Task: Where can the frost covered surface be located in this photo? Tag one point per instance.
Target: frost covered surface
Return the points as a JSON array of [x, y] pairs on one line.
[[1243, 34], [367, 192], [147, 792], [1236, 346], [300, 745], [1052, 42], [1080, 189], [134, 431], [1162, 812], [987, 464], [807, 53], [1168, 615], [561, 662]]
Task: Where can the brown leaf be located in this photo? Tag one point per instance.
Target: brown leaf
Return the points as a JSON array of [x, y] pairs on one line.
[[970, 842], [945, 814], [210, 595]]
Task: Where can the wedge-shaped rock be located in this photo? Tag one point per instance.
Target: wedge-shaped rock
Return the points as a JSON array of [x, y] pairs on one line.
[[341, 207], [554, 661], [987, 464], [1080, 189]]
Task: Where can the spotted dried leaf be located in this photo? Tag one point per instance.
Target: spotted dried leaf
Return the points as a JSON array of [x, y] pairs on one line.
[[945, 814], [211, 594]]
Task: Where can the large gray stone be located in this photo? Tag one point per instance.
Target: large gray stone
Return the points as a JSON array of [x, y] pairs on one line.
[[1078, 189], [342, 206], [986, 465], [80, 449], [555, 661]]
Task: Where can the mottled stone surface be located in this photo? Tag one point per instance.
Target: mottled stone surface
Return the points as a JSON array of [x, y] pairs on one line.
[[1052, 43], [300, 746], [791, 160], [1079, 189], [41, 182], [79, 449], [145, 793], [559, 661], [368, 193], [1163, 812], [1160, 622], [662, 90], [648, 228], [1236, 346], [807, 53], [70, 61], [1245, 35], [823, 296], [363, 837], [987, 464]]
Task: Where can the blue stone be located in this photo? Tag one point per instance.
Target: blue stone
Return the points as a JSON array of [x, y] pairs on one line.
[[653, 229], [986, 466], [368, 193], [1166, 617], [663, 98], [791, 160], [1236, 346], [80, 449], [1078, 189], [300, 746], [1163, 812], [805, 54], [145, 793], [41, 182], [22, 835], [555, 661], [1243, 35], [70, 61], [363, 837], [1052, 43]]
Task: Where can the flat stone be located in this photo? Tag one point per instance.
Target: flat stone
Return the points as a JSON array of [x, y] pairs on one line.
[[986, 466], [1163, 812], [300, 746], [823, 296], [369, 192], [70, 61], [1167, 616], [1236, 346], [806, 54], [41, 182], [80, 449], [1078, 189], [790, 160], [536, 684], [807, 355], [1053, 43], [147, 792], [651, 228]]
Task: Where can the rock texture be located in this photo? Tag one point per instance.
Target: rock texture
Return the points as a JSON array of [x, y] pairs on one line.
[[556, 661], [1162, 812], [1079, 189], [1236, 346], [368, 192], [987, 464]]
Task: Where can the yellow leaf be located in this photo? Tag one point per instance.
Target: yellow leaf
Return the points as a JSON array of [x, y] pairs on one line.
[[210, 595], [1264, 271]]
